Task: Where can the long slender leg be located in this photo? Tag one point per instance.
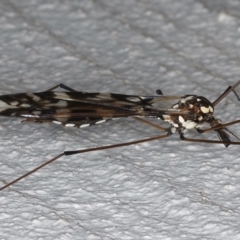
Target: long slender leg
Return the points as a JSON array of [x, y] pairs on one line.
[[235, 93], [66, 153], [218, 126], [222, 131], [207, 141], [225, 140], [151, 124]]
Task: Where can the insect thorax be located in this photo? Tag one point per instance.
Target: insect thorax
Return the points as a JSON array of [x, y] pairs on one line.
[[195, 111]]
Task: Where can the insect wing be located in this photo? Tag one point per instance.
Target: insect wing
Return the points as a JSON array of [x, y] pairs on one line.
[[81, 108], [121, 105]]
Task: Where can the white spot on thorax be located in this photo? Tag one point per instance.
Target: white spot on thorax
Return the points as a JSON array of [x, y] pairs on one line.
[[181, 120], [184, 99], [189, 124], [173, 129], [167, 118], [205, 109]]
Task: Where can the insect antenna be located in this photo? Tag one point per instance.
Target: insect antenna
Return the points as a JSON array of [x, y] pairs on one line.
[[222, 131], [227, 91]]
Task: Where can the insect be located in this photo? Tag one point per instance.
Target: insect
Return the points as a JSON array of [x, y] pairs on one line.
[[82, 109]]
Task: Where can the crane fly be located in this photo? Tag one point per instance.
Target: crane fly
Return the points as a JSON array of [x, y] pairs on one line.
[[82, 109]]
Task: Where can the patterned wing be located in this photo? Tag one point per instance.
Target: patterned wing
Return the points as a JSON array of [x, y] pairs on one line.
[[80, 108]]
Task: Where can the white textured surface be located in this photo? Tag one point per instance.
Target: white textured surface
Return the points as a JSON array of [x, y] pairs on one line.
[[157, 190]]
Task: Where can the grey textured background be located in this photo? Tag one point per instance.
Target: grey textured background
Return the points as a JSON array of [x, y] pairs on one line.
[[158, 190]]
